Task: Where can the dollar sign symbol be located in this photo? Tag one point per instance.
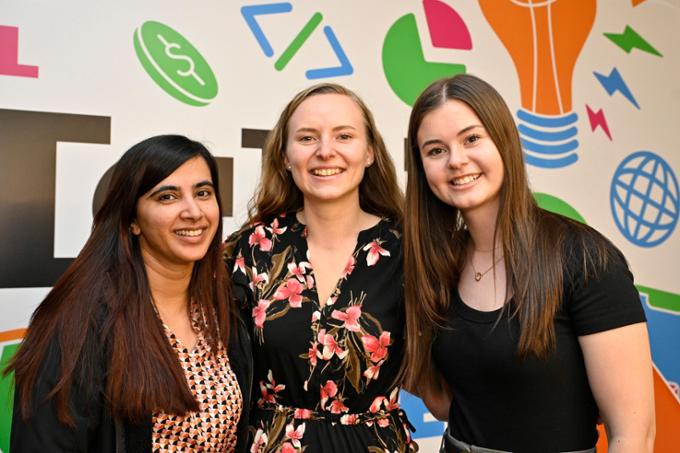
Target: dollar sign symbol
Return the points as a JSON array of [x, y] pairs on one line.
[[190, 71]]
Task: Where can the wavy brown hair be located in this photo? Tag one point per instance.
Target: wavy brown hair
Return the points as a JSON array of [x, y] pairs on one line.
[[379, 193], [100, 316], [533, 241]]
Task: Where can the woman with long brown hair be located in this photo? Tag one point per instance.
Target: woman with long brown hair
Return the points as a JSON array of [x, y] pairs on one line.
[[138, 348], [318, 268], [524, 326]]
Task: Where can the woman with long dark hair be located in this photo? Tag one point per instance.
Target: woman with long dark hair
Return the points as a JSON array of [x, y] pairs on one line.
[[530, 320], [318, 267], [138, 348]]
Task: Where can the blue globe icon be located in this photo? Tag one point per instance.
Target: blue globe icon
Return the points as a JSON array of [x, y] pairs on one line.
[[644, 199]]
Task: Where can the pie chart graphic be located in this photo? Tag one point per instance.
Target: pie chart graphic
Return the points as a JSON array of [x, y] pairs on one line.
[[407, 71]]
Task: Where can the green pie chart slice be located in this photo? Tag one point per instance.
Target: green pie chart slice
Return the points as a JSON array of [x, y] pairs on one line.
[[406, 70]]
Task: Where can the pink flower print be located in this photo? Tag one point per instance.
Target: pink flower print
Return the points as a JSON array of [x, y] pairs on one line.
[[337, 407], [259, 238], [257, 278], [274, 228], [240, 264], [316, 316], [259, 441], [295, 434], [266, 396], [328, 391], [349, 267], [260, 312], [330, 347], [302, 414], [269, 390], [374, 252], [312, 354], [377, 347], [299, 270], [291, 290], [372, 372], [375, 405], [287, 448], [350, 317], [310, 282], [349, 419], [393, 402], [383, 422]]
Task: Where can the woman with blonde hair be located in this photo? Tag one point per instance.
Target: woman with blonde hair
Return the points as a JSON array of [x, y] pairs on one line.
[[529, 319], [318, 267]]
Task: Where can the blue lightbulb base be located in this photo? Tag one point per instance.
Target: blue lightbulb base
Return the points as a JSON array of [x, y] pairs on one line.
[[548, 141]]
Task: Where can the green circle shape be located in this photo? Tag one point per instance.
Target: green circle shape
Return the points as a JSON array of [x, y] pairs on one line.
[[553, 204], [175, 64]]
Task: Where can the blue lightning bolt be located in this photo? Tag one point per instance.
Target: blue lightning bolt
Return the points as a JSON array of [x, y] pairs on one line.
[[613, 83]]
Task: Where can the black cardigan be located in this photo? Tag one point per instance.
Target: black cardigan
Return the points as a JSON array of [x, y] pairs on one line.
[[96, 430]]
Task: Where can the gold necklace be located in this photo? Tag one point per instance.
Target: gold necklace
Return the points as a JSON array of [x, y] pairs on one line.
[[479, 275]]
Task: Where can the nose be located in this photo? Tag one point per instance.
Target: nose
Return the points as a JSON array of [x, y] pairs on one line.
[[325, 148], [457, 157], [192, 210]]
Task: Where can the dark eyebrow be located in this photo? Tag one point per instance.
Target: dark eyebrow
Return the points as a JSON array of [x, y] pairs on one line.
[[176, 189], [465, 129], [203, 184], [461, 132]]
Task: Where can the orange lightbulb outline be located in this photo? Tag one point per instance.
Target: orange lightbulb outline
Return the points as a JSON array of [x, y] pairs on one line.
[[544, 39]]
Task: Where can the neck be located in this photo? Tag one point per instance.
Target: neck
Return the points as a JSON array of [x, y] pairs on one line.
[[169, 285], [334, 220], [481, 224]]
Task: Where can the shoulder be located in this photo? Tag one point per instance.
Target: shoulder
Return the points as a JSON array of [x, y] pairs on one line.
[[584, 250], [599, 289]]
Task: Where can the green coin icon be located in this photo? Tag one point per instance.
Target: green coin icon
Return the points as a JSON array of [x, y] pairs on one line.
[[175, 64]]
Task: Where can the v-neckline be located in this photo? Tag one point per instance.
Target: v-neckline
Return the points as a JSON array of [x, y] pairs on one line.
[[338, 284]]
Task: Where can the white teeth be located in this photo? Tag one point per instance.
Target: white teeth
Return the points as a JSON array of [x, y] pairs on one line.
[[325, 171], [190, 233], [464, 180]]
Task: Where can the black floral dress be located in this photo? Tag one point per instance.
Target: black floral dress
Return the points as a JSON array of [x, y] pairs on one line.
[[324, 370]]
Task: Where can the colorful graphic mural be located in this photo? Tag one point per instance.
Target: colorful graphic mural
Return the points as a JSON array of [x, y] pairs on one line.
[[250, 13], [584, 77], [175, 64], [544, 40]]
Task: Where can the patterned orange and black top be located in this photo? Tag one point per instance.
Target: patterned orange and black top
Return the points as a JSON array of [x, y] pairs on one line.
[[213, 427]]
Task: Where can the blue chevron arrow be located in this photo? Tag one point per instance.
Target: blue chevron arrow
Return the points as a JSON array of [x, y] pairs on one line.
[[345, 67], [249, 13]]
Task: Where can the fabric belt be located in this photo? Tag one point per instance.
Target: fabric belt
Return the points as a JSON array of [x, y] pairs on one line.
[[379, 417], [452, 445]]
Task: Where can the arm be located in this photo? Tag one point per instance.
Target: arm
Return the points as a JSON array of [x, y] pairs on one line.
[[619, 368], [41, 431], [437, 398], [438, 403]]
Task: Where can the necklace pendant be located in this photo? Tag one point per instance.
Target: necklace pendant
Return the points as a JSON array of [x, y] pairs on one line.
[[478, 276]]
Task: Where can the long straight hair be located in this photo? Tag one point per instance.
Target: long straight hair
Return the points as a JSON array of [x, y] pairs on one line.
[[436, 237], [379, 193], [100, 312]]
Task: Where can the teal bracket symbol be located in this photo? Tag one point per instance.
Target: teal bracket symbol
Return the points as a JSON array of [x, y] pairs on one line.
[[250, 12]]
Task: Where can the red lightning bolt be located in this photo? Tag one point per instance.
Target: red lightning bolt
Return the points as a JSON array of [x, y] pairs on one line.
[[597, 119]]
